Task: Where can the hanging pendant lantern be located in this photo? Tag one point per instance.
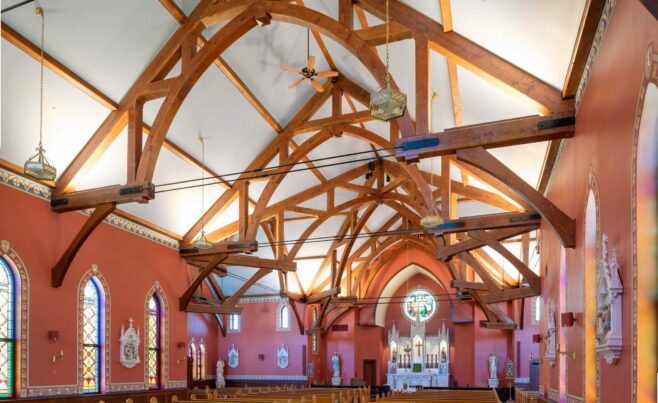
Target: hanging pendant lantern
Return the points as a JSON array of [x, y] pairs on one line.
[[38, 166], [202, 242], [387, 102]]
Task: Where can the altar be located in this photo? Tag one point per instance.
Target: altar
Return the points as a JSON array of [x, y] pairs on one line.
[[418, 359]]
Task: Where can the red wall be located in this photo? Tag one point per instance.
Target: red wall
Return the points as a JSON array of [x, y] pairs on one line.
[[130, 264], [602, 146], [258, 335]]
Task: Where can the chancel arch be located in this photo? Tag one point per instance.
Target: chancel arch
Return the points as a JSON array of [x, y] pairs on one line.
[[14, 322]]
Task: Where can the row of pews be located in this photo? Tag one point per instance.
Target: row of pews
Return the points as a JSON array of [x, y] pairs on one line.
[[331, 395]]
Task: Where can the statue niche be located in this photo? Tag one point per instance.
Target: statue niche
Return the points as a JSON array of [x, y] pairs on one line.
[[129, 346]]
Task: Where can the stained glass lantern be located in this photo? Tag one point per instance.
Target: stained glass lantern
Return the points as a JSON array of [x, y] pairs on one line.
[[38, 166], [387, 103], [431, 221], [202, 242]]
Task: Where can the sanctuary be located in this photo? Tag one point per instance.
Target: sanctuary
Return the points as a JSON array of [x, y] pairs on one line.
[[418, 359]]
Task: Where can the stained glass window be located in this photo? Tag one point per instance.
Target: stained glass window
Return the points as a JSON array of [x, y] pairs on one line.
[[419, 303], [7, 343], [314, 336], [192, 353], [91, 327], [154, 343], [201, 360]]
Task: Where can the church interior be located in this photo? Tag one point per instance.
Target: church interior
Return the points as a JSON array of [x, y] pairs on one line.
[[329, 201]]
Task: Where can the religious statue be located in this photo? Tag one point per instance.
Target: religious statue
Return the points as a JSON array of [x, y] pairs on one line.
[[444, 357], [282, 357], [233, 357], [335, 364], [395, 356], [129, 345], [609, 338], [219, 375], [335, 367], [493, 366]]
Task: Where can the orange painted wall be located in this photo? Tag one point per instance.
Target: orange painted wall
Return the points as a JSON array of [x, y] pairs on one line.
[[602, 147], [130, 264]]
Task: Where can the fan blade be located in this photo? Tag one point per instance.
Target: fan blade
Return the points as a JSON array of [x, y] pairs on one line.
[[327, 74], [290, 69], [317, 85], [295, 83], [310, 64]]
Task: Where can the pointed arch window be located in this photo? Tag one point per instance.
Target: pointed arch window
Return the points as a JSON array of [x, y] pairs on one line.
[[234, 322], [154, 342], [283, 317], [91, 337], [7, 335], [314, 336], [192, 352], [201, 361]]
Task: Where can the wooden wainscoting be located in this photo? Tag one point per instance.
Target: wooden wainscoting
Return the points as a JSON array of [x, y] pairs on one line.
[[161, 396]]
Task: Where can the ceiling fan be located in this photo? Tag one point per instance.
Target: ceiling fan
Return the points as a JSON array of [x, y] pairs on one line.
[[308, 72]]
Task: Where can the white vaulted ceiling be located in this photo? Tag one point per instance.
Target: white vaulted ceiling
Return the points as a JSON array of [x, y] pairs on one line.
[[110, 43]]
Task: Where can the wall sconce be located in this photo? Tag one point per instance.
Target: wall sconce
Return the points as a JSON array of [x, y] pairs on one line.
[[261, 357], [536, 338], [58, 357], [571, 354], [567, 319], [53, 335]]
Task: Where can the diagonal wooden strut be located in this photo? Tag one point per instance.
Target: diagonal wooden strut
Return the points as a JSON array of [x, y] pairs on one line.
[[58, 272], [189, 293]]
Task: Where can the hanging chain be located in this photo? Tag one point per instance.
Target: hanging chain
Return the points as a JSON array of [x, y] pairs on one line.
[[388, 74], [39, 12], [203, 196]]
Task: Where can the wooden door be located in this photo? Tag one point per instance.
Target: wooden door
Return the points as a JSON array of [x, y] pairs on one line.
[[370, 372]]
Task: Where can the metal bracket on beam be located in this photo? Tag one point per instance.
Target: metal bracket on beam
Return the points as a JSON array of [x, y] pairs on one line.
[[139, 193], [553, 123]]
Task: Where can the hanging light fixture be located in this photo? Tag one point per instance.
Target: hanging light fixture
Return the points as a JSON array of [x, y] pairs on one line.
[[387, 103], [38, 166], [202, 242], [432, 219]]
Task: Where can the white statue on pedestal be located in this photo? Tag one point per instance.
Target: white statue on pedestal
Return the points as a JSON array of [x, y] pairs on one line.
[[220, 382], [493, 371], [335, 366]]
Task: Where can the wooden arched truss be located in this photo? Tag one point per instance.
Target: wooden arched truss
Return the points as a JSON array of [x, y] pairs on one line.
[[464, 148]]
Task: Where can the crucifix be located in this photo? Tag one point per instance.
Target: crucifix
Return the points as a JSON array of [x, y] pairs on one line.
[[418, 345]]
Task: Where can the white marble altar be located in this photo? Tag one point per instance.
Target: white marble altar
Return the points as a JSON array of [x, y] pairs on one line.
[[417, 359]]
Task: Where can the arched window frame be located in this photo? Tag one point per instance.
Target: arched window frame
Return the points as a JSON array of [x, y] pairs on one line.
[[234, 323], [193, 353], [95, 275], [21, 315], [314, 336], [163, 357], [201, 360], [283, 317]]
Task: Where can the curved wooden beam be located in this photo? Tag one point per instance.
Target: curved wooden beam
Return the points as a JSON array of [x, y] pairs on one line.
[[58, 272], [563, 225]]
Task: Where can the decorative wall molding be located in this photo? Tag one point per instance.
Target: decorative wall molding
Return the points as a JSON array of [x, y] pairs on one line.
[[521, 380], [178, 384], [606, 15], [575, 399], [650, 69], [127, 387], [43, 192], [266, 377], [52, 390], [257, 300]]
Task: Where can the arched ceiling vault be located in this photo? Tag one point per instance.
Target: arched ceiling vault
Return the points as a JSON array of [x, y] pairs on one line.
[[484, 201]]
